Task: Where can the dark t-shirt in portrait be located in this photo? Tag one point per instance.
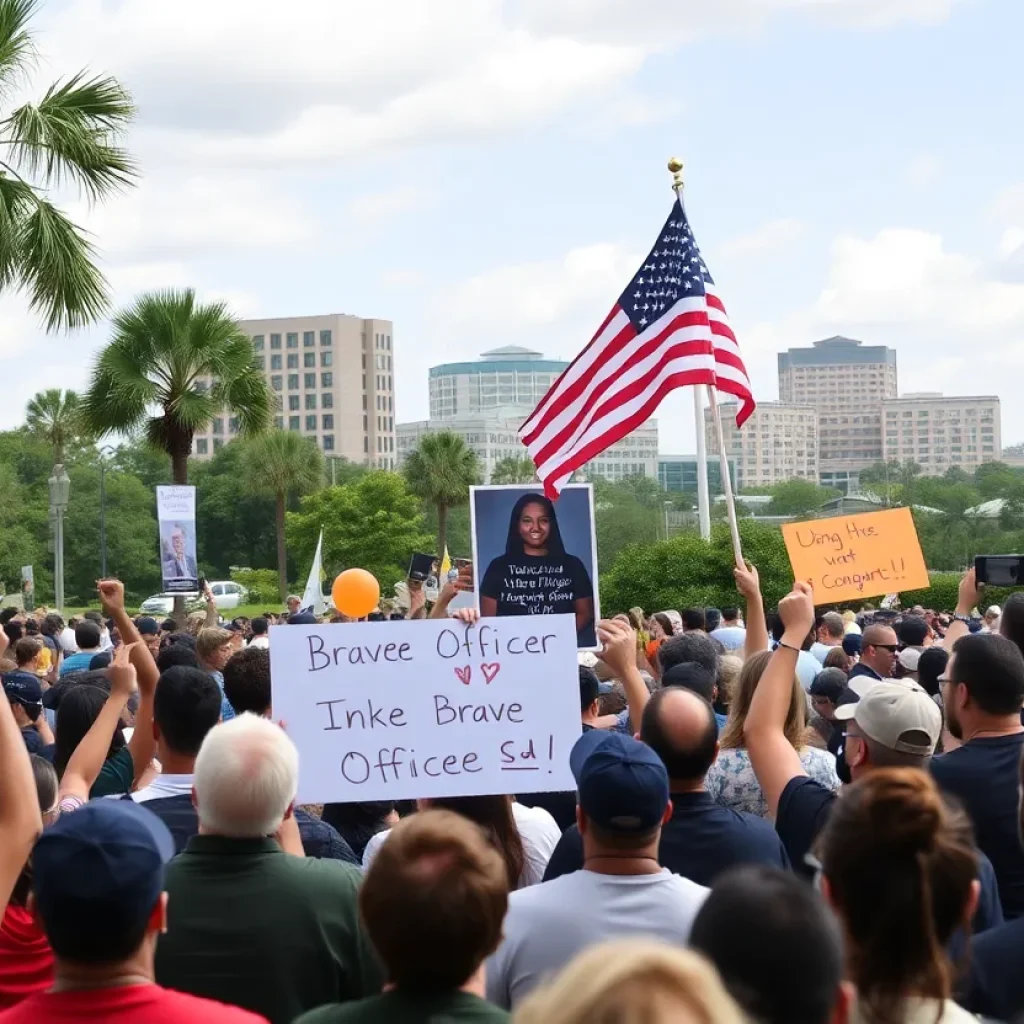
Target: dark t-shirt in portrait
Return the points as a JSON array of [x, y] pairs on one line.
[[539, 585]]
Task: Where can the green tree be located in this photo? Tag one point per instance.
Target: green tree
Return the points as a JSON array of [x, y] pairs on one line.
[[54, 416], [236, 527], [132, 542], [375, 523], [440, 470], [687, 572], [70, 137], [21, 544], [514, 469], [165, 347], [288, 464], [622, 518], [797, 497]]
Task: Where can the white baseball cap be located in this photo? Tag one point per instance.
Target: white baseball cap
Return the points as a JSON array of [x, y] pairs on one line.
[[898, 714]]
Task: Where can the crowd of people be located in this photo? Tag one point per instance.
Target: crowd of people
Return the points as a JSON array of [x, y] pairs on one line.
[[786, 817]]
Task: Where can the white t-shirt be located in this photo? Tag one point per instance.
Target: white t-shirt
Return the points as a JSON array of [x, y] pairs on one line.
[[732, 638], [260, 641], [66, 641], [821, 651], [163, 786], [548, 924], [537, 829]]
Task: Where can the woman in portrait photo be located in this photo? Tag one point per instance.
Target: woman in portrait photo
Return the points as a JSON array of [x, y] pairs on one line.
[[536, 575]]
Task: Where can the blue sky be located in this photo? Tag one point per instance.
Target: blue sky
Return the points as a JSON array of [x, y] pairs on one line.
[[487, 173]]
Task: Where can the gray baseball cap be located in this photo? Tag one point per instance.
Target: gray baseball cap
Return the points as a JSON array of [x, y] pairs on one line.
[[898, 714]]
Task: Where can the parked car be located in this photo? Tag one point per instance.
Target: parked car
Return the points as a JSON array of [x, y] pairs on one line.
[[226, 593]]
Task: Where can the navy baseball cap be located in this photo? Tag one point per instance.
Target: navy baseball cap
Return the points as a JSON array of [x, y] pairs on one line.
[[147, 626], [24, 688], [622, 784], [100, 870]]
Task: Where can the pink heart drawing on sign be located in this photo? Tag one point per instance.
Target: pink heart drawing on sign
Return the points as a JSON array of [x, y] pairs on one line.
[[464, 675], [490, 670]]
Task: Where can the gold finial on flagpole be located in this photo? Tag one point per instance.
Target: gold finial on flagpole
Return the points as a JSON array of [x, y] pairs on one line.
[[675, 166]]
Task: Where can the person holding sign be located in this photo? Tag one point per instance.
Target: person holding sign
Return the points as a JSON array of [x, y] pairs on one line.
[[536, 575]]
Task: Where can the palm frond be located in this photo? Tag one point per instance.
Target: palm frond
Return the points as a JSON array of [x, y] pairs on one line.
[[441, 469], [16, 202], [55, 265], [288, 464], [17, 51], [70, 135], [163, 344]]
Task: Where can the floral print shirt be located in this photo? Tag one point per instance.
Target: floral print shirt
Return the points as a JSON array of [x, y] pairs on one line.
[[731, 781]]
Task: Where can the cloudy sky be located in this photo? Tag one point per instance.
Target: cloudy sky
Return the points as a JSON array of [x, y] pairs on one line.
[[485, 172]]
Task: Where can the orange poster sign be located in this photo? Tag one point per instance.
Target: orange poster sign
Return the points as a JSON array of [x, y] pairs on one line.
[[849, 558]]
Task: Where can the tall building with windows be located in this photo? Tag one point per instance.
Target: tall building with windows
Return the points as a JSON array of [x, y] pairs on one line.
[[485, 401], [509, 376], [778, 442], [846, 382], [332, 379], [939, 432]]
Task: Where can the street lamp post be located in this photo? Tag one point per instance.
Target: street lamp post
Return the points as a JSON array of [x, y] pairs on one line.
[[60, 490], [105, 451]]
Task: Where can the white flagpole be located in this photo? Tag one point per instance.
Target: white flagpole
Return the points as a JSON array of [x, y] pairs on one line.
[[703, 498], [737, 550]]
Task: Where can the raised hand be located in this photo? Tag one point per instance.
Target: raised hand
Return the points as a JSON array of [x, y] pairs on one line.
[[618, 640], [796, 610], [748, 582], [121, 673], [111, 596]]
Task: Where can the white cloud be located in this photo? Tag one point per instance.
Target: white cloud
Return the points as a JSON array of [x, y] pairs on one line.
[[171, 216], [378, 208], [768, 238], [578, 288]]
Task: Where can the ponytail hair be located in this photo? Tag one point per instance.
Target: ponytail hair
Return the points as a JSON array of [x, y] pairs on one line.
[[900, 864]]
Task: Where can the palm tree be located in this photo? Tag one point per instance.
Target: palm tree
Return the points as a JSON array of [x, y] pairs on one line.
[[70, 137], [54, 416], [182, 360], [514, 469], [440, 470], [288, 464]]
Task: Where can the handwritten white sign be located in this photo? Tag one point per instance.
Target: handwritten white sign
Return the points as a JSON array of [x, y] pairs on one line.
[[399, 710]]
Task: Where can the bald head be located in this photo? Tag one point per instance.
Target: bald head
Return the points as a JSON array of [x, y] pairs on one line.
[[680, 727], [878, 649]]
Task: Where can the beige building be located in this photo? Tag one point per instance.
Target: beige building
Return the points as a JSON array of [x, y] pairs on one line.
[[333, 380], [778, 442], [938, 431], [846, 381]]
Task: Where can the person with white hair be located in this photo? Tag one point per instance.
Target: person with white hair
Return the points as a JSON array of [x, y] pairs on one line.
[[251, 921]]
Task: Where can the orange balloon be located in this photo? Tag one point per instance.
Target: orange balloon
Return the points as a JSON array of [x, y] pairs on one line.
[[356, 593]]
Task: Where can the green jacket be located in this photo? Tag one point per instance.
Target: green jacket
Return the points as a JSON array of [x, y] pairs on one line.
[[250, 925]]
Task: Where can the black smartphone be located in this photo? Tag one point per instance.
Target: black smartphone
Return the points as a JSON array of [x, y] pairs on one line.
[[420, 568], [202, 584], [1000, 570]]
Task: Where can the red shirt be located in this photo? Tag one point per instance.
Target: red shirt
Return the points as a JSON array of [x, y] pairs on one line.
[[26, 960], [126, 1004]]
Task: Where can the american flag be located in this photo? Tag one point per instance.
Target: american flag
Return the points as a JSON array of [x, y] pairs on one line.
[[668, 329]]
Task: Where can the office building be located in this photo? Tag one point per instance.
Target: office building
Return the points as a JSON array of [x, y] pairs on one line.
[[486, 400], [333, 381], [502, 377], [679, 473], [777, 443], [939, 431], [493, 438], [846, 382]]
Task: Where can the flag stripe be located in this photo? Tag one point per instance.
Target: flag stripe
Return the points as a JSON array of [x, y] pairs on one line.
[[685, 355], [600, 443], [669, 329], [618, 371]]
